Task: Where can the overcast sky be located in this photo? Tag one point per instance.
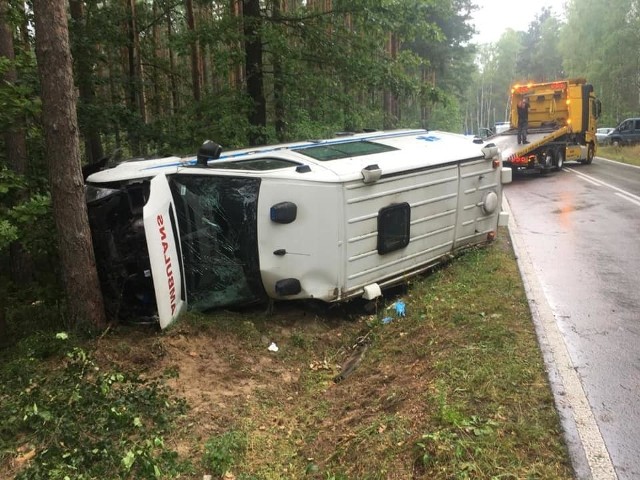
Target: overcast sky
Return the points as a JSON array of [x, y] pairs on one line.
[[493, 17]]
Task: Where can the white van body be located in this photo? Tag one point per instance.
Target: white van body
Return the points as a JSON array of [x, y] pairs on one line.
[[329, 219]]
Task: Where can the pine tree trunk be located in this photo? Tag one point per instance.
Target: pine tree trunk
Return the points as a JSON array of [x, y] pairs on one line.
[[278, 84], [135, 97], [83, 54], [175, 98], [196, 72], [156, 102], [85, 303], [236, 76], [16, 147], [252, 22], [390, 102], [139, 70]]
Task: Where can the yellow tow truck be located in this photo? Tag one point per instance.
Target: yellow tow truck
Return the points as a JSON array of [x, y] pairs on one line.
[[562, 126]]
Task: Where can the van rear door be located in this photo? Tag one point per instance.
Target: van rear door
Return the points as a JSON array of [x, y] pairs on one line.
[[161, 232]]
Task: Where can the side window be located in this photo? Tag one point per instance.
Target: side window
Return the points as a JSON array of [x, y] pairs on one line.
[[637, 125], [624, 126], [394, 224]]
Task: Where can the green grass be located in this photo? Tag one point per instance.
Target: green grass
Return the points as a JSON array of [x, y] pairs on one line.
[[454, 389], [78, 421], [630, 154]]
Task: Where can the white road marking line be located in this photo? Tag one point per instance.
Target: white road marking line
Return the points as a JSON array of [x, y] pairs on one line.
[[612, 187], [584, 177], [558, 360], [617, 163], [631, 198]]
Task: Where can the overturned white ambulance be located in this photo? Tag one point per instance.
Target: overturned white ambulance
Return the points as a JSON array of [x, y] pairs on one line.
[[328, 219]]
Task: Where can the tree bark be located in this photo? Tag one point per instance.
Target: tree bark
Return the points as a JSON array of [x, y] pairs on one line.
[[85, 303], [196, 70], [156, 102], [390, 100], [139, 69], [236, 76], [175, 98]]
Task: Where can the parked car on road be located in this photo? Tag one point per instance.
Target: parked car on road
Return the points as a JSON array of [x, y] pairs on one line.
[[602, 134], [627, 133]]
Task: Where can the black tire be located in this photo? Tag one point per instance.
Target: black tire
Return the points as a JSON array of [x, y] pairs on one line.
[[558, 159], [591, 152]]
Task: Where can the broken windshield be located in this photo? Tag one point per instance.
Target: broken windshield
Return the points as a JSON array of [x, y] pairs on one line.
[[217, 224]]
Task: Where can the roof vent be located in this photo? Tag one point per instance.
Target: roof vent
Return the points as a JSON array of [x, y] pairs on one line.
[[371, 173]]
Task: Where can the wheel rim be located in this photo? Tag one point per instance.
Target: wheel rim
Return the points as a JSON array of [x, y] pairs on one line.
[[560, 160]]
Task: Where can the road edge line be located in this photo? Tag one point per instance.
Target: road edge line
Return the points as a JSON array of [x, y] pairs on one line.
[[615, 161], [589, 455]]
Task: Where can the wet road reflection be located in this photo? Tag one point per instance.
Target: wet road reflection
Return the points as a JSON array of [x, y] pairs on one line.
[[582, 238]]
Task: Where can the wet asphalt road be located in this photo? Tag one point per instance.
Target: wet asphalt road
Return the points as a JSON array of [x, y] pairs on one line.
[[580, 228]]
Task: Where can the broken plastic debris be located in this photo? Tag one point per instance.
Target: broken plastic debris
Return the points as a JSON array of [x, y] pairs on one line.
[[273, 347], [386, 320], [400, 308]]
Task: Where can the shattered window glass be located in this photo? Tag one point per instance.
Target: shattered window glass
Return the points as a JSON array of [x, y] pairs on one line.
[[217, 223], [335, 151]]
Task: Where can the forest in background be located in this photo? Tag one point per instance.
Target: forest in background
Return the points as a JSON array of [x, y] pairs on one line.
[[160, 76], [590, 39]]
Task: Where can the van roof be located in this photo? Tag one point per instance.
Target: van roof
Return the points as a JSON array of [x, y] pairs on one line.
[[332, 159]]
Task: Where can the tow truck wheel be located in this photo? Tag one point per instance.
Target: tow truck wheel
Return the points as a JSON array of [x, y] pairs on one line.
[[559, 163], [547, 162], [590, 154]]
